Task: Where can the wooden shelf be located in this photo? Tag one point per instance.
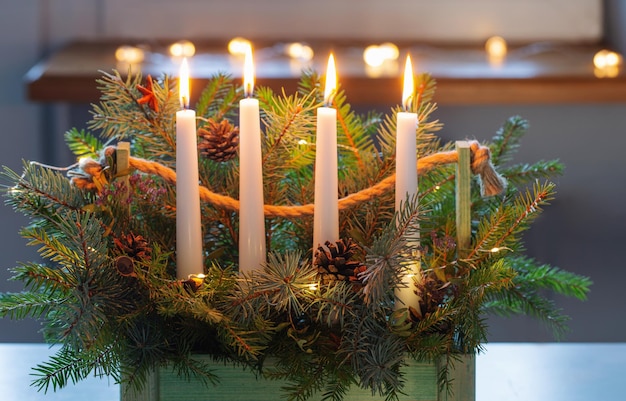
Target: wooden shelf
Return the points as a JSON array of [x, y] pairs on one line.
[[534, 74]]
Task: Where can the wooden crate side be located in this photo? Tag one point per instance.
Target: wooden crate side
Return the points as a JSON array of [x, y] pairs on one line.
[[237, 384]]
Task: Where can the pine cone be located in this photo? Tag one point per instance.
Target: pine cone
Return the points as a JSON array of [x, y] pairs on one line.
[[134, 246], [333, 262], [433, 293], [125, 266], [218, 141]]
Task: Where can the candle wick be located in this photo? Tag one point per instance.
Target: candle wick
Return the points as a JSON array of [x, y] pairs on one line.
[[329, 101], [184, 102], [247, 90], [407, 103]]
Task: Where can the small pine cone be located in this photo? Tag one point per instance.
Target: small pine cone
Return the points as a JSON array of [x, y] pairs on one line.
[[333, 261], [218, 141], [125, 266], [433, 293], [134, 246]]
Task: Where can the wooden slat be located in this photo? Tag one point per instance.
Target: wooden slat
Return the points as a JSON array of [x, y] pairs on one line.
[[242, 385]]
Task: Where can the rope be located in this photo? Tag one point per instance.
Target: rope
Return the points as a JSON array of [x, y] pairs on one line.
[[491, 182]]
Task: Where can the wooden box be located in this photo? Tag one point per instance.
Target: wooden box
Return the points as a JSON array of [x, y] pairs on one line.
[[237, 384]]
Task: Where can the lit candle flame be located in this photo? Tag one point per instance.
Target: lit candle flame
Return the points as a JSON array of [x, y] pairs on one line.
[[331, 81], [183, 84], [248, 73], [407, 91]]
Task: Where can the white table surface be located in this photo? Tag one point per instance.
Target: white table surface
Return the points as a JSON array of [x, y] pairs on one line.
[[505, 372]]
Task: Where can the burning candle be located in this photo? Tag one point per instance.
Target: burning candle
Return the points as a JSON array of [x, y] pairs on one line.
[[251, 217], [189, 258], [406, 179], [326, 217]]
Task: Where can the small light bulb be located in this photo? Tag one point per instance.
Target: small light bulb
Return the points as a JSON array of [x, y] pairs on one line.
[[373, 56], [389, 51], [606, 58], [239, 46], [496, 46], [299, 51], [607, 64], [496, 49], [599, 59], [183, 48], [129, 54], [302, 142], [494, 250]]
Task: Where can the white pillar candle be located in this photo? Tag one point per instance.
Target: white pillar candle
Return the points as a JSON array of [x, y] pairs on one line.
[[251, 217], [406, 180], [326, 207], [189, 258]]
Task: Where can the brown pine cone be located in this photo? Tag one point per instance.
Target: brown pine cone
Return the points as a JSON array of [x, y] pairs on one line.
[[219, 141], [125, 266], [333, 261], [134, 246]]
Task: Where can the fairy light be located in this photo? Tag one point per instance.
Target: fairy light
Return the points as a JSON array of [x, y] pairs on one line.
[[182, 48], [496, 49], [607, 64], [239, 46], [372, 56], [389, 51], [129, 54], [299, 51]]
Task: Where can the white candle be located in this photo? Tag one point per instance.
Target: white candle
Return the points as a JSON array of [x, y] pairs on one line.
[[189, 258], [326, 208], [406, 178], [251, 217]]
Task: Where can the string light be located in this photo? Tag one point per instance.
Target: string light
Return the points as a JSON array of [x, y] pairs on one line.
[[238, 46], [607, 64], [183, 48], [376, 55], [129, 54], [299, 51], [496, 49]]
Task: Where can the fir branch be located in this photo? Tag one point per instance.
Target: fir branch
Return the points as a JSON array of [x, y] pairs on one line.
[[518, 301], [37, 277], [334, 304], [507, 140], [28, 304], [218, 98], [508, 221], [286, 118], [286, 282], [531, 274], [83, 143], [389, 253], [520, 174], [425, 91], [248, 343], [120, 115], [41, 192], [194, 369], [71, 366], [350, 129]]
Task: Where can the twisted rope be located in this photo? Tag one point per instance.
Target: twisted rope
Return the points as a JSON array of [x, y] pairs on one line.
[[491, 182]]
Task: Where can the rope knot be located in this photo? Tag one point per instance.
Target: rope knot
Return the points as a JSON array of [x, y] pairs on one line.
[[491, 183]]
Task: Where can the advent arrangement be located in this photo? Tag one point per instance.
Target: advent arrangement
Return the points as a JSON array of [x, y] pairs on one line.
[[279, 233]]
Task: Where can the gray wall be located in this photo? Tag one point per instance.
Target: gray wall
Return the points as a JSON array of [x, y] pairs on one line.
[[582, 231]]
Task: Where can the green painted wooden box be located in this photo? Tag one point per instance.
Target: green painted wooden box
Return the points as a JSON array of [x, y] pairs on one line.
[[239, 385]]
